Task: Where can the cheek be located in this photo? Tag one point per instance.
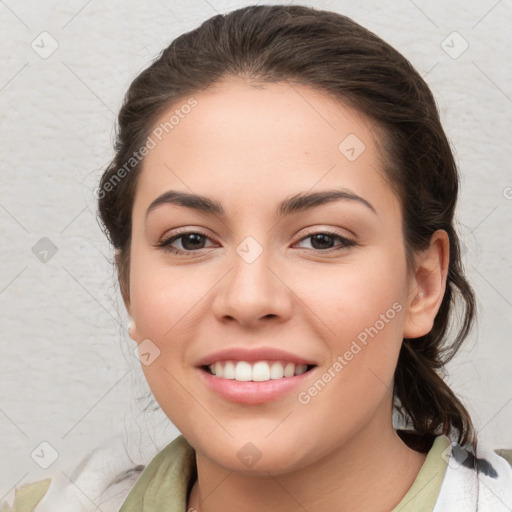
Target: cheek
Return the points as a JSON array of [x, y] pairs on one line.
[[166, 307], [352, 297], [359, 311], [364, 335], [163, 299]]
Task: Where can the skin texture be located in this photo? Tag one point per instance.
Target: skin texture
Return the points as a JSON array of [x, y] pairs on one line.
[[250, 147]]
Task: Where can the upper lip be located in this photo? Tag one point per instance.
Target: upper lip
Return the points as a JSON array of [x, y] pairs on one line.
[[252, 355]]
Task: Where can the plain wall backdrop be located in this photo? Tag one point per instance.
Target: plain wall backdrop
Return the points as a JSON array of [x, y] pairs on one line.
[[68, 374]]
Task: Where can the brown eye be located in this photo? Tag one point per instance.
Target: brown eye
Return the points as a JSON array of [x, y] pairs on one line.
[[189, 241], [322, 241], [325, 241]]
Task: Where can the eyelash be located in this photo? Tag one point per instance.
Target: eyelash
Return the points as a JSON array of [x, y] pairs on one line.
[[165, 245]]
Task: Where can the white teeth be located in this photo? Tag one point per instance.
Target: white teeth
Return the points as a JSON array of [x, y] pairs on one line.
[[300, 369], [218, 369], [289, 370], [243, 371], [260, 371], [229, 370], [276, 371]]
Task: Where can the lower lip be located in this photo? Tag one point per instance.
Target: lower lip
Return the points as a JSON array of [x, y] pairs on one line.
[[253, 392]]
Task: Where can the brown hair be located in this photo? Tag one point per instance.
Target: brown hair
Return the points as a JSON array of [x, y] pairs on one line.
[[331, 53]]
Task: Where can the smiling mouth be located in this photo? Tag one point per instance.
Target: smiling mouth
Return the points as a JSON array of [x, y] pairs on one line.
[[259, 371]]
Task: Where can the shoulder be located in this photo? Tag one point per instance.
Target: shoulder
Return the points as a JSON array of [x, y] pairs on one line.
[[167, 478], [104, 479], [475, 481], [100, 482]]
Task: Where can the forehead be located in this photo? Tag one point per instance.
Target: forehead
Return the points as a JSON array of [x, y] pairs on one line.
[[271, 139]]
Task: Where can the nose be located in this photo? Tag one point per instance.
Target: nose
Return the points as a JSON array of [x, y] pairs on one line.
[[253, 293]]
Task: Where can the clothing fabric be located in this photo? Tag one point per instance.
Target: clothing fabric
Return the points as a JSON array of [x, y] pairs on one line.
[[480, 483], [451, 479], [167, 480]]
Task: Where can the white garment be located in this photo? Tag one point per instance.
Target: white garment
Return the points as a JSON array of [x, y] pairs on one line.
[[100, 482], [475, 484]]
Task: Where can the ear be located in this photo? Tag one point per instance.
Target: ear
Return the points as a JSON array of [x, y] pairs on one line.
[[427, 286], [132, 331]]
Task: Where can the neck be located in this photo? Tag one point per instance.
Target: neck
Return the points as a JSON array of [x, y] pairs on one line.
[[372, 472]]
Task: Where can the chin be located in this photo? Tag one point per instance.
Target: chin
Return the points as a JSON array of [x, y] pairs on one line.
[[258, 458]]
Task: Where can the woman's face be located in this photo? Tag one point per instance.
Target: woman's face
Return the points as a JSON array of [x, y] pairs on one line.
[[323, 281]]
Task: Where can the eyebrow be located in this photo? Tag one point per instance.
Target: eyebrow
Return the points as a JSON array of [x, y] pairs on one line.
[[294, 204]]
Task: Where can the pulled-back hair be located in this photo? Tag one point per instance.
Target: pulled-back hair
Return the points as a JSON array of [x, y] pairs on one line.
[[331, 53]]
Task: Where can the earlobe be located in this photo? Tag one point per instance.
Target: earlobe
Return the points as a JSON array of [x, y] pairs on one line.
[[132, 330], [427, 286]]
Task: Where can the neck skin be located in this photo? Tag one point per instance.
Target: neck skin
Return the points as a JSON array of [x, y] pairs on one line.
[[370, 472]]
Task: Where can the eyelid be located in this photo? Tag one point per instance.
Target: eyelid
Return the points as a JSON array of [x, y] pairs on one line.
[[317, 229], [185, 230]]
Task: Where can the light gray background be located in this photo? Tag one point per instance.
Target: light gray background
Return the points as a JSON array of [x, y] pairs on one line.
[[68, 374]]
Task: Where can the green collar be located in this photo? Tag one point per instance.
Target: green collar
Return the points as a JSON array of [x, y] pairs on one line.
[[166, 482]]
